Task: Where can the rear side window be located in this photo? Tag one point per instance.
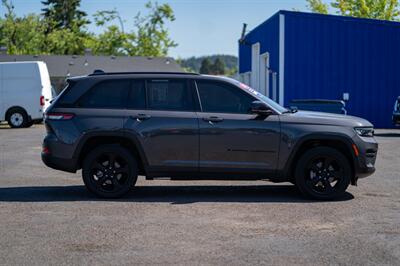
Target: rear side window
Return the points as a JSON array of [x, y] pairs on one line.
[[137, 95], [218, 97], [169, 94], [107, 94]]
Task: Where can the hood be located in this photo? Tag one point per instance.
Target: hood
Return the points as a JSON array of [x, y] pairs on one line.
[[320, 118]]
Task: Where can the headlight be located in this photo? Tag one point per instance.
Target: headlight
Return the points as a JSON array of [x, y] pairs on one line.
[[365, 131]]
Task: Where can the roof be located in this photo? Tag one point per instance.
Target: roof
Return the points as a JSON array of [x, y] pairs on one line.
[[76, 65], [328, 16]]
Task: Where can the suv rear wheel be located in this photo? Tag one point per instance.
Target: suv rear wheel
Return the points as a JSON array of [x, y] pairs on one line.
[[323, 173], [109, 171]]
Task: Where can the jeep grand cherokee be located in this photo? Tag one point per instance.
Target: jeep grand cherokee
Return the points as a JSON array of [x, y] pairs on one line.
[[116, 126]]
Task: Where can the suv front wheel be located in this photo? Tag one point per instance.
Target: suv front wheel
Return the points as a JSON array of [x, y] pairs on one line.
[[323, 173], [109, 171]]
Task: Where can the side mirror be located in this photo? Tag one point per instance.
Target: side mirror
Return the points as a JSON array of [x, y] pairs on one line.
[[260, 108]]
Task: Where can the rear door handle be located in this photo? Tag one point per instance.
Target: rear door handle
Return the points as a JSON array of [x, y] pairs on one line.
[[141, 117], [213, 119]]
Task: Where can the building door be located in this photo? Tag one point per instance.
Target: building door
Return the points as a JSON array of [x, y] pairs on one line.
[[274, 87], [255, 66], [264, 74]]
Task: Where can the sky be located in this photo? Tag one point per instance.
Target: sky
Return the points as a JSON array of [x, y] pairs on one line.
[[202, 27]]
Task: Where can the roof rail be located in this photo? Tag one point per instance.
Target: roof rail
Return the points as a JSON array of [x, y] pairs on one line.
[[99, 72]]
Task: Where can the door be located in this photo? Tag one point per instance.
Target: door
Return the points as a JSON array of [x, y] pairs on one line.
[[255, 66], [264, 74], [2, 110], [161, 117], [231, 138]]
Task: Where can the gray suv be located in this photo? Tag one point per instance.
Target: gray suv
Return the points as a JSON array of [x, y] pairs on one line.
[[116, 126]]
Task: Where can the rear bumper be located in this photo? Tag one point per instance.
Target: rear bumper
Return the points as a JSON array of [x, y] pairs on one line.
[[67, 165], [56, 155]]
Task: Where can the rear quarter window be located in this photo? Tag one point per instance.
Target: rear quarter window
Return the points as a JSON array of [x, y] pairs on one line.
[[106, 94]]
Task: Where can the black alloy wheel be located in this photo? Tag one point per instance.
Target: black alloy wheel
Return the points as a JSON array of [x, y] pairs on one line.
[[109, 171], [323, 173]]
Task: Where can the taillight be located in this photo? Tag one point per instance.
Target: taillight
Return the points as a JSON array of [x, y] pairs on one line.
[[59, 116], [45, 150], [41, 100]]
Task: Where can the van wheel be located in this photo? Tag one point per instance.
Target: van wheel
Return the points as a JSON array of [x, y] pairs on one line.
[[17, 118], [109, 171], [323, 173]]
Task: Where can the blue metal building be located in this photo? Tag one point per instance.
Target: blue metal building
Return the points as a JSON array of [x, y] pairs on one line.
[[295, 55]]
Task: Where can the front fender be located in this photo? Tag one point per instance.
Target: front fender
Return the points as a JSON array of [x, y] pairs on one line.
[[291, 150]]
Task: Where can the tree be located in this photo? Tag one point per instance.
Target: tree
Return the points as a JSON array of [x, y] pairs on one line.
[[152, 38], [218, 68], [65, 13], [317, 6], [205, 66], [149, 37], [20, 34], [101, 17], [64, 33], [376, 9]]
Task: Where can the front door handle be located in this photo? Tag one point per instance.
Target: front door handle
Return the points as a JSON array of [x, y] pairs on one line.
[[213, 119], [141, 117]]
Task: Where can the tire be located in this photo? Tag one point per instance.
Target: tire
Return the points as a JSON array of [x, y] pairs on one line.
[[323, 173], [17, 118], [109, 171]]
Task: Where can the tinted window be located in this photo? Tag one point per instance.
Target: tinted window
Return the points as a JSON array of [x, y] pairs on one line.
[[107, 94], [172, 95], [217, 97], [137, 96]]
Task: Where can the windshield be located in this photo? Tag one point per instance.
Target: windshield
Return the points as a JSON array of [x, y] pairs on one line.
[[262, 97]]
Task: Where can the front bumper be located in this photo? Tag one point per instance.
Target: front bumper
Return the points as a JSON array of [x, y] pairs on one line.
[[365, 161], [396, 119]]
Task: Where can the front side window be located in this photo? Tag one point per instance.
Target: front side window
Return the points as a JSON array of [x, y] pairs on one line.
[[107, 94], [218, 97], [169, 94]]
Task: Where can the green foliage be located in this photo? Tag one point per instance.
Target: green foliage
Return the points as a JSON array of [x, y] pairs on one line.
[[104, 16], [375, 9], [206, 66], [152, 38], [61, 30], [317, 6], [193, 64], [64, 13], [218, 68]]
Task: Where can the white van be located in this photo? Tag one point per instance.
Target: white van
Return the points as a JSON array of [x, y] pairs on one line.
[[25, 92]]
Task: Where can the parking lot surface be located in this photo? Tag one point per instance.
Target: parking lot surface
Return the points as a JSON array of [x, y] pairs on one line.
[[48, 217]]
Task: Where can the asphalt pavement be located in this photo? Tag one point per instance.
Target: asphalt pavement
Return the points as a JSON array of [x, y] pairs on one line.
[[48, 217]]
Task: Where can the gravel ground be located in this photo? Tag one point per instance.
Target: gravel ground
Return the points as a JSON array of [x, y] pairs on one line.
[[47, 217]]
